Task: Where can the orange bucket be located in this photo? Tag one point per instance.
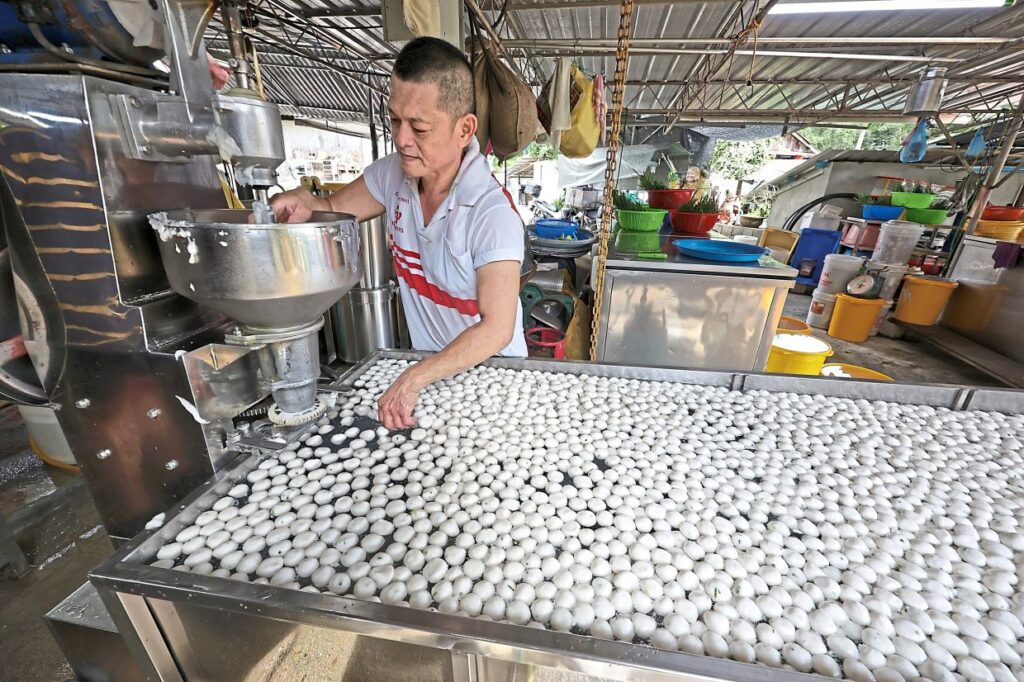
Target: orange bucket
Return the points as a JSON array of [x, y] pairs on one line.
[[923, 299], [854, 317]]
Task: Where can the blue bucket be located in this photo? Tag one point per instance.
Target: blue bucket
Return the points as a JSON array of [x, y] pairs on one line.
[[871, 212], [551, 228]]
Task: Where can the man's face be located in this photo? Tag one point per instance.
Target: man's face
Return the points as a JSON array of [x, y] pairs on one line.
[[425, 136]]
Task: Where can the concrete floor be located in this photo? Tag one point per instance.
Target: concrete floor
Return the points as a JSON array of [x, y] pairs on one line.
[[56, 524], [904, 361], [64, 540]]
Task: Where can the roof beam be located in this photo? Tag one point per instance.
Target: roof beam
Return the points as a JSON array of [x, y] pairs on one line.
[[770, 40], [569, 50], [827, 82], [512, 6]]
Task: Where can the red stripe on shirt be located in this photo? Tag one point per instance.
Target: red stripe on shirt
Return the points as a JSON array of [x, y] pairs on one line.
[[507, 194], [408, 262], [418, 283], [404, 252]]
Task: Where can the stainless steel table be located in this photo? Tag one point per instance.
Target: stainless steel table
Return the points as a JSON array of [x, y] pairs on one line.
[[687, 312], [188, 626]]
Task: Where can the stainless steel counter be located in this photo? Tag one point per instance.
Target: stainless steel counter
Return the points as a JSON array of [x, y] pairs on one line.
[[687, 312], [186, 626]]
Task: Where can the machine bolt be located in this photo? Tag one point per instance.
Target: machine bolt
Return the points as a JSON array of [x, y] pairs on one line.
[[171, 465], [103, 454], [83, 403], [153, 413], [134, 101], [145, 149]]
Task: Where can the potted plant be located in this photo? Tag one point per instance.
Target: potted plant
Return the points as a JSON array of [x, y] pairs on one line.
[[913, 195], [634, 215], [660, 196], [933, 215], [696, 216], [878, 208]]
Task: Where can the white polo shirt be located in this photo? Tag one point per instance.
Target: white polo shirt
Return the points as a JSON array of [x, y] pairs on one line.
[[436, 264]]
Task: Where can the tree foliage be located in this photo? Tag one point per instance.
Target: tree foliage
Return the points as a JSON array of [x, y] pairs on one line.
[[879, 136], [740, 160]]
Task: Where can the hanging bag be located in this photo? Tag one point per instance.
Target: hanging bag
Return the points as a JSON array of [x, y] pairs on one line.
[[581, 138]]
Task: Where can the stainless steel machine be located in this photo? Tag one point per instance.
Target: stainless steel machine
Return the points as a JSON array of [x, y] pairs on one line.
[[151, 315]]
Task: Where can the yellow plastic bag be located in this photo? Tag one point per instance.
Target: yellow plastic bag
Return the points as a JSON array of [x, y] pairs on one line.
[[580, 140]]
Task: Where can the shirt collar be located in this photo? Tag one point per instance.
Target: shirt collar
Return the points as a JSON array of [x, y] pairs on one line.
[[470, 182]]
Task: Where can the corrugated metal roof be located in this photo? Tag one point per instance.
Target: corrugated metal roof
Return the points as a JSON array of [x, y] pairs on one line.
[[345, 41]]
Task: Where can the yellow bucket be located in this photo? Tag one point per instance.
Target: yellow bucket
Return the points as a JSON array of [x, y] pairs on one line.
[[797, 354], [923, 299], [839, 370], [791, 325], [854, 317]]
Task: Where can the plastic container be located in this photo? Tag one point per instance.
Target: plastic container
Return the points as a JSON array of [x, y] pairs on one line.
[[46, 438], [641, 221], [746, 239], [820, 312], [791, 325], [638, 242], [551, 228], [545, 342], [797, 354], [896, 242], [923, 299], [1008, 213], [812, 248], [882, 315], [853, 318], [912, 199], [839, 370], [973, 305], [669, 199], [892, 274], [927, 216], [693, 223], [875, 212], [838, 272], [1003, 231]]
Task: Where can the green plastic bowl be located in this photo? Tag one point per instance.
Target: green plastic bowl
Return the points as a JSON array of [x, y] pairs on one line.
[[641, 221], [926, 216], [912, 200], [638, 242]]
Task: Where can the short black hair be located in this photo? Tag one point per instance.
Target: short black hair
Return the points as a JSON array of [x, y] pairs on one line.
[[432, 60]]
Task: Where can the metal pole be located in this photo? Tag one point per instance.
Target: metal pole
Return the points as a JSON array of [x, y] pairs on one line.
[[997, 167], [611, 162], [239, 62]]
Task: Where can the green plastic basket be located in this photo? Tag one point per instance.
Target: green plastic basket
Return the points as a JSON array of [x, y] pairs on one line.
[[912, 199], [926, 216], [641, 221], [638, 242]]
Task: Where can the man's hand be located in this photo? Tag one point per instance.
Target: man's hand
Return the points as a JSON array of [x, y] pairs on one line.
[[297, 206], [394, 409]]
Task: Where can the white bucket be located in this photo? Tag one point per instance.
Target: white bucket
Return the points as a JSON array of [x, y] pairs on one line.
[[896, 242], [892, 274], [882, 315], [837, 273], [745, 239], [820, 312], [48, 439]]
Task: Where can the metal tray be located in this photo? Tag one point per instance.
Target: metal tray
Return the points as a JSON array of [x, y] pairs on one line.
[[187, 626]]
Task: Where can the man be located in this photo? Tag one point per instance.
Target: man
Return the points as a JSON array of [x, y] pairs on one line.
[[455, 236]]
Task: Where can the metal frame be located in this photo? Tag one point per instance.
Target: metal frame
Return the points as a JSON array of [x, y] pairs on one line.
[[142, 599]]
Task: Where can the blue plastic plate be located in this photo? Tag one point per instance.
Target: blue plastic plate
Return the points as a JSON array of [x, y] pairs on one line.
[[719, 250]]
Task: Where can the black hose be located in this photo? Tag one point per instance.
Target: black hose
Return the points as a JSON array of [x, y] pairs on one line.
[[799, 213], [37, 33]]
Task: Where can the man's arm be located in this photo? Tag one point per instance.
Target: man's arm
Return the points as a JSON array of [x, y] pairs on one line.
[[297, 205], [497, 296]]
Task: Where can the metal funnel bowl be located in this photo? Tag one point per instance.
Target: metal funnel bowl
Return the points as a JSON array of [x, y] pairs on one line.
[[269, 276]]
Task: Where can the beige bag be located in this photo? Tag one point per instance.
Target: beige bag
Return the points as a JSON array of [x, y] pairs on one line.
[[483, 101], [511, 107]]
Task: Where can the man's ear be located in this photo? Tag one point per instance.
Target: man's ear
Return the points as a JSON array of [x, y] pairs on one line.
[[465, 128]]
